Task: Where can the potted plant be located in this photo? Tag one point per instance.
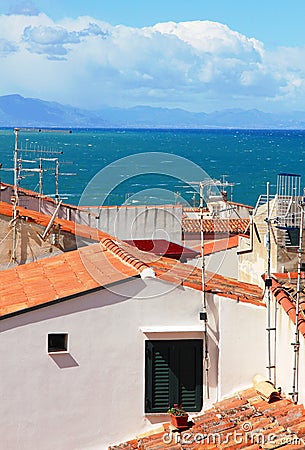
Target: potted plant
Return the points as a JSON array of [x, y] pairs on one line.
[[179, 417]]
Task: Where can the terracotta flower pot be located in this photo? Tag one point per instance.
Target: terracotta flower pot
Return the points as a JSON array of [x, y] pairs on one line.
[[180, 422]]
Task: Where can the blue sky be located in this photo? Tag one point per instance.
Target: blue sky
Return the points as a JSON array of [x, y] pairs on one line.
[[198, 55], [274, 22]]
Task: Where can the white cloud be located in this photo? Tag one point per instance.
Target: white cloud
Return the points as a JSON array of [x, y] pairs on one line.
[[7, 47], [26, 8], [196, 65]]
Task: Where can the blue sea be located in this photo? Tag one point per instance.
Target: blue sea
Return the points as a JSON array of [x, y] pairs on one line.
[[153, 166]]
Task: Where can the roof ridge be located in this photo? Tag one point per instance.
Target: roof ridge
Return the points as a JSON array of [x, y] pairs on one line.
[[123, 255]]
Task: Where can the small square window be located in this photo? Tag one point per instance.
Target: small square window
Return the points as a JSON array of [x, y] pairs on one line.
[[57, 342]]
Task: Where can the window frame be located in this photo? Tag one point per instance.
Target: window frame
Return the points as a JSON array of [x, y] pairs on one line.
[[63, 350], [175, 388]]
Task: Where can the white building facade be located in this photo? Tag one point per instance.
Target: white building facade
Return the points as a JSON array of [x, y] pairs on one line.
[[97, 389]]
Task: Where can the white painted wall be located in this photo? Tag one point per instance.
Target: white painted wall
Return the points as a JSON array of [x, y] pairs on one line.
[[123, 222], [285, 356], [141, 222], [223, 263], [94, 395], [242, 345]]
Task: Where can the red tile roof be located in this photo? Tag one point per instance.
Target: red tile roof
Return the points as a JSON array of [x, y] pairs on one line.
[[187, 275], [285, 294], [29, 193], [67, 274], [233, 226], [43, 220], [218, 245], [245, 420], [98, 265]]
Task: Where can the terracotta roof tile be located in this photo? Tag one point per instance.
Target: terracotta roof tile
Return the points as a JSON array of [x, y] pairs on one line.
[[98, 265], [43, 220], [219, 245], [64, 275], [285, 296], [187, 275], [225, 427], [232, 226]]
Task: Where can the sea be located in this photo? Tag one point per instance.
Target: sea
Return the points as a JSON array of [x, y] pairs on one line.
[[153, 166]]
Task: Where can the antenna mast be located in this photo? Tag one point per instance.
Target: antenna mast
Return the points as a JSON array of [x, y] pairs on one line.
[[15, 199], [205, 314], [296, 343], [18, 168], [271, 327]]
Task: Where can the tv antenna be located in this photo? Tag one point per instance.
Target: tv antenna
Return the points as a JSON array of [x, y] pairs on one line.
[[18, 169]]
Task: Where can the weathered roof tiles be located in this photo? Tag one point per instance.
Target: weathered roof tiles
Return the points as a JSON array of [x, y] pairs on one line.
[[43, 220], [285, 292], [97, 265], [230, 226], [245, 421]]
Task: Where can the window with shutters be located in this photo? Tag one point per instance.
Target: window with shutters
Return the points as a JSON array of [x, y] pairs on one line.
[[173, 374]]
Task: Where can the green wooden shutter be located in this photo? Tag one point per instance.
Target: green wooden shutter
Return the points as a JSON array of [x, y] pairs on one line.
[[190, 374], [173, 374]]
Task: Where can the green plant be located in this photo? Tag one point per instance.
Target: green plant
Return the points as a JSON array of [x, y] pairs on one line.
[[177, 411]]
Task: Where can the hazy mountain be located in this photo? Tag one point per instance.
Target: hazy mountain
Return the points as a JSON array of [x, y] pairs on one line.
[[17, 111]]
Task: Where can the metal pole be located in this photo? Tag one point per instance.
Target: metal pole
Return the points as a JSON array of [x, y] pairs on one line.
[[271, 327], [268, 287], [206, 344], [15, 196], [0, 183], [296, 344], [56, 180], [40, 183]]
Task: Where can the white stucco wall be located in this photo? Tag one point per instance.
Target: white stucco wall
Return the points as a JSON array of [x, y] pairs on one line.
[[123, 222], [93, 396], [285, 355], [223, 263], [242, 345], [141, 222]]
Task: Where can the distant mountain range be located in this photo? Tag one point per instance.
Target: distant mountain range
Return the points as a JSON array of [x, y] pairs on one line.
[[17, 111]]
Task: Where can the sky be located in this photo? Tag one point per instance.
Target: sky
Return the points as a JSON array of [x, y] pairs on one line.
[[199, 55]]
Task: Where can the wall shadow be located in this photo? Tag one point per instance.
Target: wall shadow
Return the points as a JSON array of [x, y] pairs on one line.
[[64, 360]]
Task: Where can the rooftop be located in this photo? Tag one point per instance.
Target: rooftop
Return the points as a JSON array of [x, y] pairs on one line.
[[163, 247], [230, 226], [42, 219], [72, 273], [58, 277], [284, 290], [219, 245], [246, 420]]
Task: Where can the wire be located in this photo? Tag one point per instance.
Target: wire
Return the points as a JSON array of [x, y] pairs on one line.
[[6, 236]]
